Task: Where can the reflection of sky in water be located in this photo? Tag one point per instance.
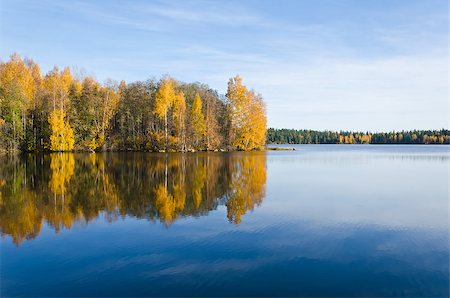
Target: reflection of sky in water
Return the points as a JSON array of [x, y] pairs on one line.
[[334, 222], [385, 188]]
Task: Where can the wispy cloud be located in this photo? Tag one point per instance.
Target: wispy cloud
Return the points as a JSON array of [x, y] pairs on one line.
[[164, 16], [205, 12]]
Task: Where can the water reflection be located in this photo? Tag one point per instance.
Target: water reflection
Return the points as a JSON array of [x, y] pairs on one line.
[[336, 221], [63, 188]]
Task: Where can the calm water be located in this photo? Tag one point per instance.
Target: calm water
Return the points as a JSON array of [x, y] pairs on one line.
[[319, 221]]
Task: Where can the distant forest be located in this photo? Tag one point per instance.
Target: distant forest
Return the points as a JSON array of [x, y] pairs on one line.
[[59, 111], [293, 136]]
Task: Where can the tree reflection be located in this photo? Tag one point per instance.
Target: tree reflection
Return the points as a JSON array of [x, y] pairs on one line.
[[61, 189], [20, 215], [58, 213], [247, 186]]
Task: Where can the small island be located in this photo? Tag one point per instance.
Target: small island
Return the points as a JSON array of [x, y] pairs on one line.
[[59, 111]]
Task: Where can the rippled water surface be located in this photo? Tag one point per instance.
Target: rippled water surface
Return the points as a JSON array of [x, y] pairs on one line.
[[323, 220]]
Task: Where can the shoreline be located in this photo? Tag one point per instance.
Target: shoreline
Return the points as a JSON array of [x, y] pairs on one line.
[[18, 152]]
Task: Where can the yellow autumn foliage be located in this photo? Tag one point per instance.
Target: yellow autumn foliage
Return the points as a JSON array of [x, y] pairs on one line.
[[247, 116], [61, 138], [198, 119]]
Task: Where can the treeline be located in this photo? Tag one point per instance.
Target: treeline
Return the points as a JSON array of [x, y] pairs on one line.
[[293, 136], [58, 112]]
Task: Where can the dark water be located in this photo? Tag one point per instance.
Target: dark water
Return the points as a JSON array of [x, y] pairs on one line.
[[319, 221]]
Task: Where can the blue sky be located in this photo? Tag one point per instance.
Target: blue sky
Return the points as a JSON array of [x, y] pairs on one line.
[[327, 64]]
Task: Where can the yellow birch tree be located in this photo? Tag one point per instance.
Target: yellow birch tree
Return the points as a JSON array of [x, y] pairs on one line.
[[198, 120], [61, 138], [163, 102], [179, 118], [247, 116]]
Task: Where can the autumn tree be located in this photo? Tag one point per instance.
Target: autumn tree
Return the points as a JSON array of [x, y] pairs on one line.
[[163, 102], [107, 109], [179, 118], [135, 125], [198, 121], [247, 117], [257, 121], [17, 90], [62, 134], [57, 84], [215, 120], [214, 113], [93, 107], [31, 137]]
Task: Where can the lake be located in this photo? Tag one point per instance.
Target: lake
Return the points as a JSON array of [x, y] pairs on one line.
[[324, 220]]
